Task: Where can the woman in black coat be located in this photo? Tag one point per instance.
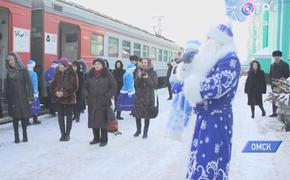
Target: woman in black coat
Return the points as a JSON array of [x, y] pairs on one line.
[[255, 87], [118, 73], [79, 107], [19, 93], [145, 84], [100, 87]]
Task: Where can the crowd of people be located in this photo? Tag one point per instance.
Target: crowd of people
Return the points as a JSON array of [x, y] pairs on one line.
[[72, 88]]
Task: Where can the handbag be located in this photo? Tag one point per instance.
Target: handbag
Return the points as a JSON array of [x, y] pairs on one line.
[[154, 110]]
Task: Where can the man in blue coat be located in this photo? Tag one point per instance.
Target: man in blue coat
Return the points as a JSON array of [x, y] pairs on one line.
[[210, 89]]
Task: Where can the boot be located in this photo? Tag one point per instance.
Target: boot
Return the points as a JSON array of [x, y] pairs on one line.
[[138, 125], [145, 132], [119, 115], [24, 130], [16, 133], [78, 115], [68, 127], [61, 126], [97, 138], [104, 137], [253, 111], [35, 120]]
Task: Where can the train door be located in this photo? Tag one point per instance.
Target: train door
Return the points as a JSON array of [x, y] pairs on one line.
[[4, 44], [69, 46]]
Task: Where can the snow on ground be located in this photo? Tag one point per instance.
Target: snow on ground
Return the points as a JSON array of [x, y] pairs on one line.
[[128, 158]]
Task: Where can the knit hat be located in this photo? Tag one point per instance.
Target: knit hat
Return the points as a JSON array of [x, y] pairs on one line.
[[277, 53], [221, 33], [131, 67], [64, 61], [31, 64], [55, 63], [100, 60]]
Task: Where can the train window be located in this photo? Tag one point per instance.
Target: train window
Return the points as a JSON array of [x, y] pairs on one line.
[[126, 49], [160, 55], [170, 56], [97, 45], [165, 58], [113, 47], [153, 53], [145, 51], [137, 49]]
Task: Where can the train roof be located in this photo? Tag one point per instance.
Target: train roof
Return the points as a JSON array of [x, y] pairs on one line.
[[77, 11]]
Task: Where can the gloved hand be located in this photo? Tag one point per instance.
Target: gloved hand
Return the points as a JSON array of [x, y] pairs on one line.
[[188, 57]]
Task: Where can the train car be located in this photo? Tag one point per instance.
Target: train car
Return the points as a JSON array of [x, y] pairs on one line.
[[65, 29], [15, 28]]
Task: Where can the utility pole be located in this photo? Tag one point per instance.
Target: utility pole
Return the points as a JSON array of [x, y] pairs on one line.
[[158, 24]]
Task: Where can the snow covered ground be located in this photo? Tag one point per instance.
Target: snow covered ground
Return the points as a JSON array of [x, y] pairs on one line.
[[128, 158]]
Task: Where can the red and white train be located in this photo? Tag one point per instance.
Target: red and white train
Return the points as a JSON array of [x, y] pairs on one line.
[[45, 30]]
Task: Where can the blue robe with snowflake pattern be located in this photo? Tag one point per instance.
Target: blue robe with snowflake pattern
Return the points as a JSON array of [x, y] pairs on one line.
[[211, 145]]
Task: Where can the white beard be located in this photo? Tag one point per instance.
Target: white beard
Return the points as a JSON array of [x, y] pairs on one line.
[[202, 64]]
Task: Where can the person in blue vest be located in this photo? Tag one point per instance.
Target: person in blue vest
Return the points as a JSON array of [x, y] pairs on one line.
[[181, 111], [126, 97], [35, 104], [210, 89], [48, 79]]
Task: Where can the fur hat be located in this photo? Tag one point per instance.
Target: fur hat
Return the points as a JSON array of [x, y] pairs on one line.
[[100, 60], [221, 33], [277, 53], [192, 45]]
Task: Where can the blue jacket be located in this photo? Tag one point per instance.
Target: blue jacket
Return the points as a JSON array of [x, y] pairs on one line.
[[34, 80], [128, 83], [49, 75]]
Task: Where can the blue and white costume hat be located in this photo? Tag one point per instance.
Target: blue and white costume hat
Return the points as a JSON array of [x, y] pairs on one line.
[[131, 67], [221, 33], [31, 64]]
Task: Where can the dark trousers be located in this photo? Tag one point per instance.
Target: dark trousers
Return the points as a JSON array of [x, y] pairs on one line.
[[253, 109], [169, 90], [139, 125], [274, 107], [24, 128], [50, 104], [65, 110], [116, 102], [100, 134]]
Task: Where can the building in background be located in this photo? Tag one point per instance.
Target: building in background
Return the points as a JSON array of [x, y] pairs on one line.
[[269, 31]]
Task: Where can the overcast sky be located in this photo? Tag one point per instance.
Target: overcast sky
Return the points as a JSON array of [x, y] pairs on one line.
[[183, 19]]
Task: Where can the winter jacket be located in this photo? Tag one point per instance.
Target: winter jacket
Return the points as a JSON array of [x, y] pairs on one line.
[[118, 75], [255, 86], [67, 82], [145, 94], [99, 90], [19, 90], [278, 71], [128, 85]]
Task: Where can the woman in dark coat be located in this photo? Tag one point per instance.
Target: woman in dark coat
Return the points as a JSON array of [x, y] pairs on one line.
[[118, 73], [19, 93], [64, 87], [79, 107], [100, 88], [255, 87], [145, 84]]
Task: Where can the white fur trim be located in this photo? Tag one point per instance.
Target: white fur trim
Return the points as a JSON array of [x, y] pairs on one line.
[[219, 36], [200, 69]]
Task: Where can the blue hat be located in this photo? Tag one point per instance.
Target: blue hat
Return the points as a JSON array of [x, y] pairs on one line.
[[31, 63], [131, 67]]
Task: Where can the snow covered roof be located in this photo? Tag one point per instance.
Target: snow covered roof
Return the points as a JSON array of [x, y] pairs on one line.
[[264, 53]]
